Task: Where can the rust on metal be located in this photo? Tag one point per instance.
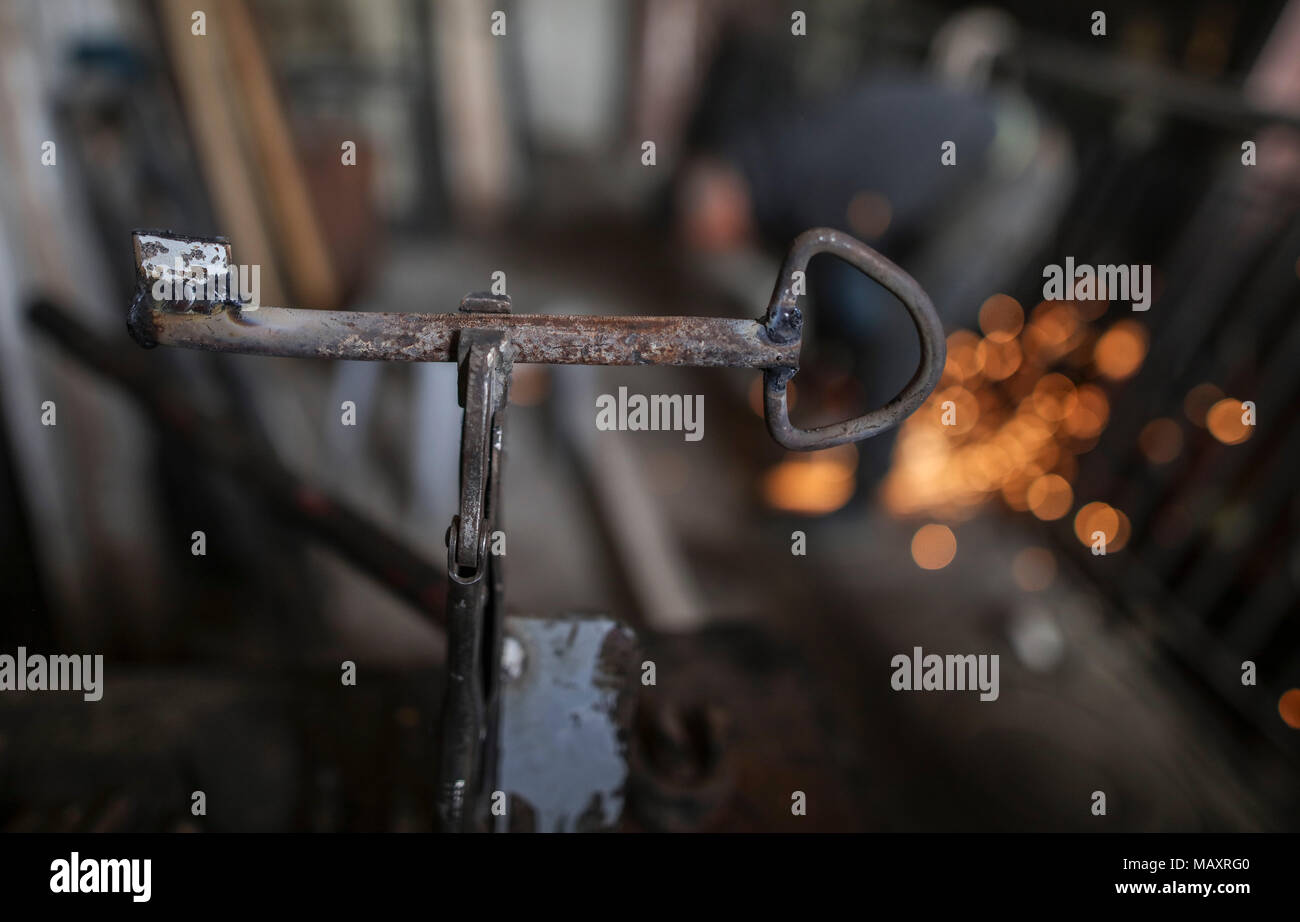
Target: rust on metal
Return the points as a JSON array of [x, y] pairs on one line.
[[402, 337], [771, 344]]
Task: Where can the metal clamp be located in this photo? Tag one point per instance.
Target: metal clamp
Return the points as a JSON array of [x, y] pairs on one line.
[[784, 324], [484, 369]]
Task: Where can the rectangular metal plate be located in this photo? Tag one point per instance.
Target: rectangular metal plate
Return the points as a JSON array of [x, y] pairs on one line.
[[567, 696]]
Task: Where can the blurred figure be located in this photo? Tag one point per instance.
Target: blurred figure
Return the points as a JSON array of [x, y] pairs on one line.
[[916, 168]]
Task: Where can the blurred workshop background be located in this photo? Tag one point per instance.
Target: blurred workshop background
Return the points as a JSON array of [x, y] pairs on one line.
[[393, 154]]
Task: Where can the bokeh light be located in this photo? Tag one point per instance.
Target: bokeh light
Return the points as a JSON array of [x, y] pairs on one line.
[[812, 483], [1054, 397], [1101, 517], [963, 356], [1050, 497], [934, 546], [1090, 413], [999, 360], [1289, 707], [1161, 440], [1225, 423], [1198, 401], [1001, 318], [1120, 350], [1022, 402]]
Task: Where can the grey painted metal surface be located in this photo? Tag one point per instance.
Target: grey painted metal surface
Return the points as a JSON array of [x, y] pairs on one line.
[[566, 699]]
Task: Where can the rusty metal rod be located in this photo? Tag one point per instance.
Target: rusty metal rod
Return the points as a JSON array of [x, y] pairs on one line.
[[717, 342], [165, 313]]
